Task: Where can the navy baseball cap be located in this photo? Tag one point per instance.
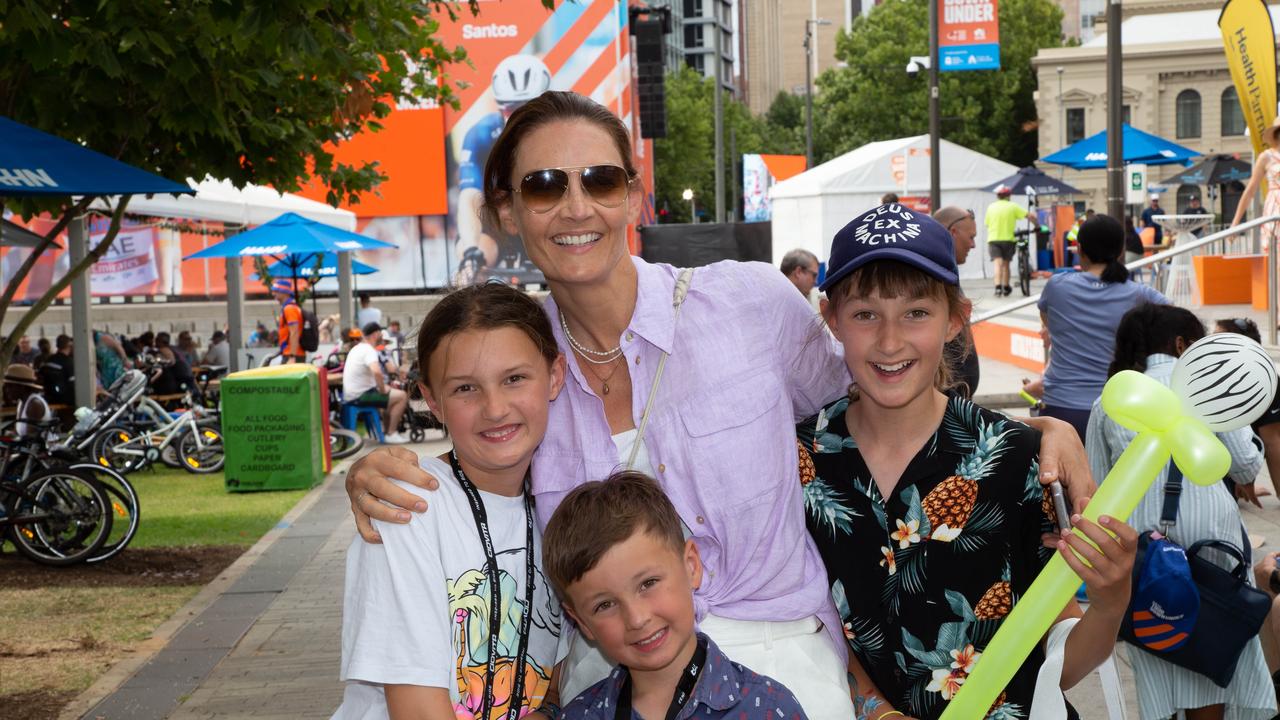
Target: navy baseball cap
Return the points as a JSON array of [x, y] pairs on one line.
[[1166, 603], [893, 232]]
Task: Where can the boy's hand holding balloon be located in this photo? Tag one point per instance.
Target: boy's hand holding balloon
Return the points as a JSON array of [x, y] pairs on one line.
[[1220, 383]]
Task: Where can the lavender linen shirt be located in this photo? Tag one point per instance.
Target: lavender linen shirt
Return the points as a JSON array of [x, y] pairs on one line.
[[748, 360]]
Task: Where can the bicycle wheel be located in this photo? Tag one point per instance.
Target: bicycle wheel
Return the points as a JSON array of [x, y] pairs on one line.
[[169, 456], [1024, 272], [73, 518], [344, 443], [120, 449], [201, 450], [124, 504]]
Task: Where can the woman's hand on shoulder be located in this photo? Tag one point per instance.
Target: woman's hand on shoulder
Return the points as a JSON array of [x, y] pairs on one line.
[[370, 480], [1062, 458]]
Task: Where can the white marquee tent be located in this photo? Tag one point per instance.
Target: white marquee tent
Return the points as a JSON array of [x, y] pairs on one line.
[[811, 207]]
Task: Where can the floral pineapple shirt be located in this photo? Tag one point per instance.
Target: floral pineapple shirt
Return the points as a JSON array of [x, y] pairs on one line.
[[923, 579]]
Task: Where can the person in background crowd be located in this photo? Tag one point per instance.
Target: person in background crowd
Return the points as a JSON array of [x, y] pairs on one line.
[[109, 358], [1266, 167], [1148, 218], [22, 390], [889, 197], [327, 327], [364, 383], [1267, 427], [175, 375], [1080, 311], [395, 341], [1133, 249], [145, 342], [1001, 219], [964, 229], [368, 313], [1149, 339], [1195, 208], [187, 346], [801, 268], [289, 339], [25, 354], [1267, 577], [58, 373], [219, 352], [46, 349], [260, 337]]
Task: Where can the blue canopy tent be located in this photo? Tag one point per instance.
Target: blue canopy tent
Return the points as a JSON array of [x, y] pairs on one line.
[[1139, 148], [307, 270], [37, 164]]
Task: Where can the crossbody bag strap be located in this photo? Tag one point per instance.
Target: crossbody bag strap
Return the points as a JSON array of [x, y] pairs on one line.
[[677, 300], [1172, 495]]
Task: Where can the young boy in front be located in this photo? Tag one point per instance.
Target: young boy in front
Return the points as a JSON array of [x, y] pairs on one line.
[[628, 583]]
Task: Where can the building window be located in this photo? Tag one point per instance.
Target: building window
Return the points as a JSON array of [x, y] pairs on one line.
[[692, 8], [693, 36], [1232, 113], [1188, 114], [1075, 125], [1125, 115]]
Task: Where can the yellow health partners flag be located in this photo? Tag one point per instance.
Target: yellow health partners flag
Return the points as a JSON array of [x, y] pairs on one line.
[[1250, 44]]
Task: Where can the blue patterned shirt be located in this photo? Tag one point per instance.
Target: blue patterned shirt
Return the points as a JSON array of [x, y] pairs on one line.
[[725, 690]]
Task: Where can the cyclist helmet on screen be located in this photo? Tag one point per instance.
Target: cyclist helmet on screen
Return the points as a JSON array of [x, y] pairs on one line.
[[519, 79]]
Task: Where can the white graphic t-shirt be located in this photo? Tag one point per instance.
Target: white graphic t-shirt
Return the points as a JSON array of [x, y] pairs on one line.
[[416, 608]]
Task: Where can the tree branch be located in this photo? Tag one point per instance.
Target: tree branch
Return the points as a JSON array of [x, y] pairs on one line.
[[29, 317], [11, 289]]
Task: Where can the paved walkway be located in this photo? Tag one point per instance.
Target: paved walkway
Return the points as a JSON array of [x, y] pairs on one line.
[[264, 640]]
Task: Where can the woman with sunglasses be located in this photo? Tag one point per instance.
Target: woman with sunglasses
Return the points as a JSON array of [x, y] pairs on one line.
[[745, 357]]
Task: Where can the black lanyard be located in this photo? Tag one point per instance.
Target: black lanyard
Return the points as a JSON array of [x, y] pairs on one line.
[[684, 689], [495, 594]]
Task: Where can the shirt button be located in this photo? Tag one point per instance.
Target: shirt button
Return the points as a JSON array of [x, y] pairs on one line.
[[630, 336], [662, 468], [637, 359], [700, 520]]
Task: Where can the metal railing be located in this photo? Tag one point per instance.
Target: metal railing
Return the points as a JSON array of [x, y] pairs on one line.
[[1180, 249]]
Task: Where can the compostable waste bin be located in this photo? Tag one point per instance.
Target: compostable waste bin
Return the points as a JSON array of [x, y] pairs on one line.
[[273, 428]]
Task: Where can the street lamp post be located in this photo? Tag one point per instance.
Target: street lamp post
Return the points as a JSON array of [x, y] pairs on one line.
[[935, 114], [808, 87], [693, 209], [1062, 119]]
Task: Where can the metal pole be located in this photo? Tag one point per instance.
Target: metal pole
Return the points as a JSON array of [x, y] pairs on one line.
[[808, 98], [935, 116], [1062, 122], [1271, 285], [1115, 92], [735, 187], [345, 303], [235, 310], [81, 329], [719, 112]]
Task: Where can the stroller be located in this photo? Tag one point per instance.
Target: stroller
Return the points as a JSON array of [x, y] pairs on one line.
[[120, 397], [418, 419]]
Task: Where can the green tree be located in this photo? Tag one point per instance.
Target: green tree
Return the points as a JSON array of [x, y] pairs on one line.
[[872, 98], [685, 158], [247, 90]]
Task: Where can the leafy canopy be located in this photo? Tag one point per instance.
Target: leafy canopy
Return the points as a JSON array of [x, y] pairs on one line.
[[991, 111]]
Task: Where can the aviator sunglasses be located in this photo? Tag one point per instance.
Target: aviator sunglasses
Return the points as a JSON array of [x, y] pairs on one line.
[[543, 189]]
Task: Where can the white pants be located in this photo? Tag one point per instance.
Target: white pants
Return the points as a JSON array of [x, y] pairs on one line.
[[797, 654]]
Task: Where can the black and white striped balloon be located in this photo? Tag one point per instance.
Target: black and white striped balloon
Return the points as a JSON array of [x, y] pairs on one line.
[[1225, 380]]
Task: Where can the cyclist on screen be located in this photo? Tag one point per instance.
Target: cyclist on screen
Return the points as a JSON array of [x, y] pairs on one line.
[[517, 80]]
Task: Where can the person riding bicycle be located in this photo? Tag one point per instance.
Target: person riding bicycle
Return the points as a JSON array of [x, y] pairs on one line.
[[290, 322], [1001, 219], [517, 80], [21, 389]]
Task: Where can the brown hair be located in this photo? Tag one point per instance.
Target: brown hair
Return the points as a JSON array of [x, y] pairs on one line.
[[598, 515], [551, 106], [891, 279], [487, 306]]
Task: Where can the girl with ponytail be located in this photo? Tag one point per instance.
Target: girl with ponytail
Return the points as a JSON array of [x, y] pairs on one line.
[[1080, 312]]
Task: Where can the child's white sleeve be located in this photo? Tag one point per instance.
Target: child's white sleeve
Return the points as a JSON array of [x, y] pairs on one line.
[[396, 628]]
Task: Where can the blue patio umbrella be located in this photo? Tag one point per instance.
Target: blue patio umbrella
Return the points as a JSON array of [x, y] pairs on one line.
[[37, 163], [305, 270], [293, 240], [1034, 180], [1139, 148]]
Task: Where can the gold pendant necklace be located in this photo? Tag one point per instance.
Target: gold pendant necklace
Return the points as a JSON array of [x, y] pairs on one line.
[[604, 381]]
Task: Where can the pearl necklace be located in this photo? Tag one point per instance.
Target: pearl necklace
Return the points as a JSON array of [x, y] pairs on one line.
[[585, 352]]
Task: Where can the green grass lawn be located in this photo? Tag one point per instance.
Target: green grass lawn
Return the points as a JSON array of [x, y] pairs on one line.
[[181, 508]]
